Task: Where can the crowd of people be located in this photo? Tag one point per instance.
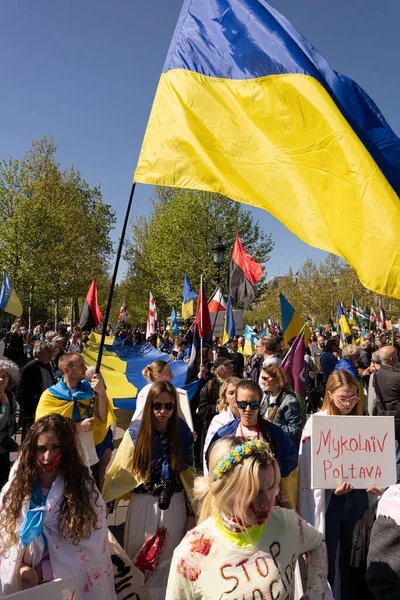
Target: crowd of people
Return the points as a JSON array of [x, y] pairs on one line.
[[223, 510]]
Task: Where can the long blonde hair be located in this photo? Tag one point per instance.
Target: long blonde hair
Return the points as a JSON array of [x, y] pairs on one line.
[[336, 380], [222, 403], [221, 496], [157, 367]]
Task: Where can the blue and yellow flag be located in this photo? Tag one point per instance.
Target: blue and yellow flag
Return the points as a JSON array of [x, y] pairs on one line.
[[345, 331], [250, 341], [248, 108], [292, 323], [188, 295], [9, 300], [229, 323]]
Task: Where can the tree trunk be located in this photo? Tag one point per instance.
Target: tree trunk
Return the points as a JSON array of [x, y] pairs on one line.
[[56, 311]]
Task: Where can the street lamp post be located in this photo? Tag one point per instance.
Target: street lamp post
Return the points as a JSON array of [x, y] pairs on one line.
[[219, 253]]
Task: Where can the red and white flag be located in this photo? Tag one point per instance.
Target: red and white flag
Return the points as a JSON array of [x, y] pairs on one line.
[[217, 304], [151, 318], [374, 318], [383, 317], [123, 314]]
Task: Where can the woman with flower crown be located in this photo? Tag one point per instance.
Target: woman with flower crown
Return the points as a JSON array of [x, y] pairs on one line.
[[245, 546]]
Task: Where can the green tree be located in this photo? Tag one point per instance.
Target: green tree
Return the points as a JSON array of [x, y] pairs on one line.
[[179, 237], [55, 237], [315, 291]]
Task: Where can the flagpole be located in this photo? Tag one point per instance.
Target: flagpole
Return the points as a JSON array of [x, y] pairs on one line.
[[114, 277], [201, 320]]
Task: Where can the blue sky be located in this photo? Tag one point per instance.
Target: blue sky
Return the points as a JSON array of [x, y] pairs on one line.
[[85, 72]]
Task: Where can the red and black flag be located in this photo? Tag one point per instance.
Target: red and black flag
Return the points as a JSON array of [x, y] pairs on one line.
[[244, 272], [90, 314]]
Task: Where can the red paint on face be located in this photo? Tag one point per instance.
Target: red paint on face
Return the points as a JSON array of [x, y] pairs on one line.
[[260, 516], [188, 571], [148, 558], [201, 544], [50, 466]]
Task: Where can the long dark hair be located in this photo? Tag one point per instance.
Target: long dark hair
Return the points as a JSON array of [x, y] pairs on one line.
[[143, 454], [77, 514]]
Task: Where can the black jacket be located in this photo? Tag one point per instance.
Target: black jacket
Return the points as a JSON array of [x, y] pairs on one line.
[[36, 377]]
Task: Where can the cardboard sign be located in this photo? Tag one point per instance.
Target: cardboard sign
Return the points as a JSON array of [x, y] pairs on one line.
[[217, 322], [59, 589], [358, 450]]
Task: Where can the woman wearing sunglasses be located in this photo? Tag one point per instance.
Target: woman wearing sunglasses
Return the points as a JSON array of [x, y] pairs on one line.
[[245, 546], [227, 411], [333, 512], [280, 404], [154, 463], [252, 426]]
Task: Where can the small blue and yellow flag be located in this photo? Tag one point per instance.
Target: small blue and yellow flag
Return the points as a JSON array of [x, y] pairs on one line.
[[229, 323], [345, 331], [292, 323], [247, 108], [250, 341], [188, 295], [9, 300]]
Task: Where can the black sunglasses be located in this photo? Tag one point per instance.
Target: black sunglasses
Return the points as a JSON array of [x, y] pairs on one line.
[[160, 405], [254, 405]]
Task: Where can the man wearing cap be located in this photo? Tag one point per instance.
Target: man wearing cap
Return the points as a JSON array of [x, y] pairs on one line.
[[209, 395]]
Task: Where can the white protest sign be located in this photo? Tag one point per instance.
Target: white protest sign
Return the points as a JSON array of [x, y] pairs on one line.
[[59, 589], [358, 450], [217, 322], [184, 408]]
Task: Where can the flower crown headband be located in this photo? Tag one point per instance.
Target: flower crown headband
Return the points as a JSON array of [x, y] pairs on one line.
[[239, 453]]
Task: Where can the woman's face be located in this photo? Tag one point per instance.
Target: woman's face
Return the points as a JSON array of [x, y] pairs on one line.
[[230, 398], [248, 403], [259, 509], [166, 375], [270, 384], [344, 398], [48, 452], [4, 380], [163, 408]]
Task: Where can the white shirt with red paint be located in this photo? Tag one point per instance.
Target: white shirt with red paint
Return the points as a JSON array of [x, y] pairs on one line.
[[212, 563]]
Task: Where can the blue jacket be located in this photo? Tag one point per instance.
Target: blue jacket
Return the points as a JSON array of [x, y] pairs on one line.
[[284, 450], [186, 443], [345, 364]]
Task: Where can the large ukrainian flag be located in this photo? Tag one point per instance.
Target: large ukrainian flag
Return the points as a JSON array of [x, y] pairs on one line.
[[246, 107]]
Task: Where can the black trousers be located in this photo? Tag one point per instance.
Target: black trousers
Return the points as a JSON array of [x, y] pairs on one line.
[[5, 466]]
